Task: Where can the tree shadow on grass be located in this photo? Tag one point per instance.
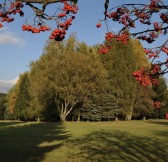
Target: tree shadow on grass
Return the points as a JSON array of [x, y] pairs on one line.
[[118, 146], [6, 124], [159, 122], [30, 142]]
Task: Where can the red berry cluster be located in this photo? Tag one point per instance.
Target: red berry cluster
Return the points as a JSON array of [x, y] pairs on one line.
[[146, 77], [5, 13], [62, 14], [157, 104], [153, 34], [109, 36], [151, 54], [164, 17], [141, 15], [156, 26], [116, 16], [147, 39], [123, 38], [98, 25], [70, 8], [65, 25], [35, 29], [165, 50], [141, 77], [103, 49], [155, 69], [167, 116], [58, 34], [121, 16]]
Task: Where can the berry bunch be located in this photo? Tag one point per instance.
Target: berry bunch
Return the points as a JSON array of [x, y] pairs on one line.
[[35, 29], [151, 54], [98, 25], [155, 68], [62, 18], [58, 34], [156, 26], [142, 77], [109, 36], [165, 50], [103, 49], [148, 76], [70, 8], [146, 38], [123, 38], [65, 25], [157, 104], [5, 13], [164, 17], [63, 22]]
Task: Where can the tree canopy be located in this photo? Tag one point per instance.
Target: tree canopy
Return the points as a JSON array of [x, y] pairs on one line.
[[69, 73]]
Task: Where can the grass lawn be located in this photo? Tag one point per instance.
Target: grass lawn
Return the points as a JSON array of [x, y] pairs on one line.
[[122, 141]]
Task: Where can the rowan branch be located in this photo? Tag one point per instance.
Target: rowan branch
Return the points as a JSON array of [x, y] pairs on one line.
[[43, 1], [148, 30]]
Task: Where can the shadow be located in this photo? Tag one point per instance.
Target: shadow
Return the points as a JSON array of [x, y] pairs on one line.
[[30, 142], [117, 146], [159, 122], [6, 124], [162, 134]]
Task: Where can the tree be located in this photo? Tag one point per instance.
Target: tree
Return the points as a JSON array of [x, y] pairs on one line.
[[128, 15], [10, 102], [18, 99], [121, 61], [2, 106], [144, 104], [21, 108], [160, 98], [68, 74]]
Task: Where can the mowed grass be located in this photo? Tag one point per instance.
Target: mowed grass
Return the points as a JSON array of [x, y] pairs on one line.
[[122, 141]]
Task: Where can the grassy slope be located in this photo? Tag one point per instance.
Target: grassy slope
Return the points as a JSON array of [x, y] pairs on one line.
[[131, 141]]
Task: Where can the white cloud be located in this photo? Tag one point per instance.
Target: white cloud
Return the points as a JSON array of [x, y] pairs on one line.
[[6, 85], [10, 37]]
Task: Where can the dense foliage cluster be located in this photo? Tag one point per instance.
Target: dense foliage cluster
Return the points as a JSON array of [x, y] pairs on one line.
[[59, 87]]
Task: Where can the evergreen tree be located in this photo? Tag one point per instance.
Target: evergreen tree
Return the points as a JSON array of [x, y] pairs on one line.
[[160, 98], [2, 106], [21, 108]]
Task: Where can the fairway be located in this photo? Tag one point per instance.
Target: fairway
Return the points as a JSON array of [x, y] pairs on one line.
[[122, 141]]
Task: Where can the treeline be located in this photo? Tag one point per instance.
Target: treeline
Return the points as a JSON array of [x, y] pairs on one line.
[[72, 82]]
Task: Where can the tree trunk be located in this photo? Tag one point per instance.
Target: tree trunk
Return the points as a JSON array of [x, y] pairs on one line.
[[38, 119], [62, 118], [78, 119], [128, 117], [129, 112], [116, 118]]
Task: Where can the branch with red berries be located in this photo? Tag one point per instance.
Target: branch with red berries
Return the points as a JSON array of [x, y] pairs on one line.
[[128, 16], [61, 19]]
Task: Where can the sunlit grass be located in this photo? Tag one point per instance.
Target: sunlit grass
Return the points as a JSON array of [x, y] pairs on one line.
[[127, 141]]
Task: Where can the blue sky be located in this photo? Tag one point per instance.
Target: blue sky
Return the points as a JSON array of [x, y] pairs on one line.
[[18, 48]]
